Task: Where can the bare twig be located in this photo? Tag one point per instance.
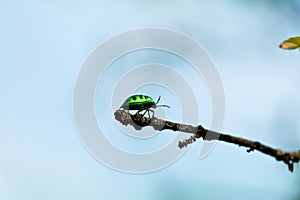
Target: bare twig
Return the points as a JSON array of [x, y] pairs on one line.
[[138, 121]]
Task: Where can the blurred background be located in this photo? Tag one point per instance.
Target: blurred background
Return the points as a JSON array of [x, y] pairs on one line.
[[43, 45]]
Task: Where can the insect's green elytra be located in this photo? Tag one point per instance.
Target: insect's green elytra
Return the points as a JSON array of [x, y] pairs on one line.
[[141, 102]]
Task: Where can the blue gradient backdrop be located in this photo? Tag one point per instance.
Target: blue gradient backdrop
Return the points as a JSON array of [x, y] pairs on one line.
[[44, 43]]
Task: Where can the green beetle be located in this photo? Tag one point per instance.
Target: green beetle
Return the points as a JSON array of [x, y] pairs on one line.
[[141, 102]]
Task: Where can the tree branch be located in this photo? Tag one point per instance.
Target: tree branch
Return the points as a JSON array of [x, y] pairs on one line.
[[138, 121]]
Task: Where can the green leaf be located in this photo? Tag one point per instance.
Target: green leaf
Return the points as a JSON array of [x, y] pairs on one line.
[[291, 43]]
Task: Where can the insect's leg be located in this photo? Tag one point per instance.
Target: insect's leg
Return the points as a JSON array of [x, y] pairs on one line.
[[144, 113], [152, 113], [148, 113], [139, 112]]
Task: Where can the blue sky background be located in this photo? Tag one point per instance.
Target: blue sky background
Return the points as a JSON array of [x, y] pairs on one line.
[[42, 47]]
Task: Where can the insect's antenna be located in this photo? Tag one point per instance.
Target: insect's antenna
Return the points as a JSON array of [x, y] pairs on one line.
[[163, 106], [158, 99]]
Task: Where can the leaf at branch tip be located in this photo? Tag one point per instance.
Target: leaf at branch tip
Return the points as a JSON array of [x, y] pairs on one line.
[[291, 43]]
